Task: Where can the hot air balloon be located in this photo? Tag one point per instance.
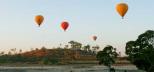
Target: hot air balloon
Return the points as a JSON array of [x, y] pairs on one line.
[[64, 25], [122, 9], [39, 19], [94, 38]]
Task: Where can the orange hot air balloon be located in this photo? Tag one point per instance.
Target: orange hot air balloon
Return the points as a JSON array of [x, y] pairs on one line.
[[94, 38], [64, 25], [122, 9], [39, 19]]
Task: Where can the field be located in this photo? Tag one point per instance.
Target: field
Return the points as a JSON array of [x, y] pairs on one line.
[[68, 68]]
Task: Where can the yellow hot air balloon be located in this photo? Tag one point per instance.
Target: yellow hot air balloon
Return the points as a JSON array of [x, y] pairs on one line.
[[122, 9], [39, 19]]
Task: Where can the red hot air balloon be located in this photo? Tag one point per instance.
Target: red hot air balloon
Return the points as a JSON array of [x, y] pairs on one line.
[[64, 25], [94, 38]]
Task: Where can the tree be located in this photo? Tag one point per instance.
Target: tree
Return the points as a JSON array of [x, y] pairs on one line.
[[75, 45], [2, 53], [86, 48], [107, 56], [141, 51], [20, 51], [66, 47], [14, 50], [95, 48]]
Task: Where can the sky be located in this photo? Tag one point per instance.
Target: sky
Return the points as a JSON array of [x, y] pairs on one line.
[[86, 18]]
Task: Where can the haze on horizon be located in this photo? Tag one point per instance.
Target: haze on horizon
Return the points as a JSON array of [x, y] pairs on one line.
[[86, 18]]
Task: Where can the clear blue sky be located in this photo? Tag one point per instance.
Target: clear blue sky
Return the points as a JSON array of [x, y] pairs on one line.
[[86, 18]]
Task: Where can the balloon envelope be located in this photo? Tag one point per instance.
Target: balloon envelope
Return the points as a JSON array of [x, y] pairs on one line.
[[122, 9], [39, 19], [94, 38], [64, 25]]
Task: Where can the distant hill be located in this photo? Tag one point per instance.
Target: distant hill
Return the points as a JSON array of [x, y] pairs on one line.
[[56, 56]]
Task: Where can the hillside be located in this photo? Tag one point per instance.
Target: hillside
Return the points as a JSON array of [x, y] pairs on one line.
[[55, 56]]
